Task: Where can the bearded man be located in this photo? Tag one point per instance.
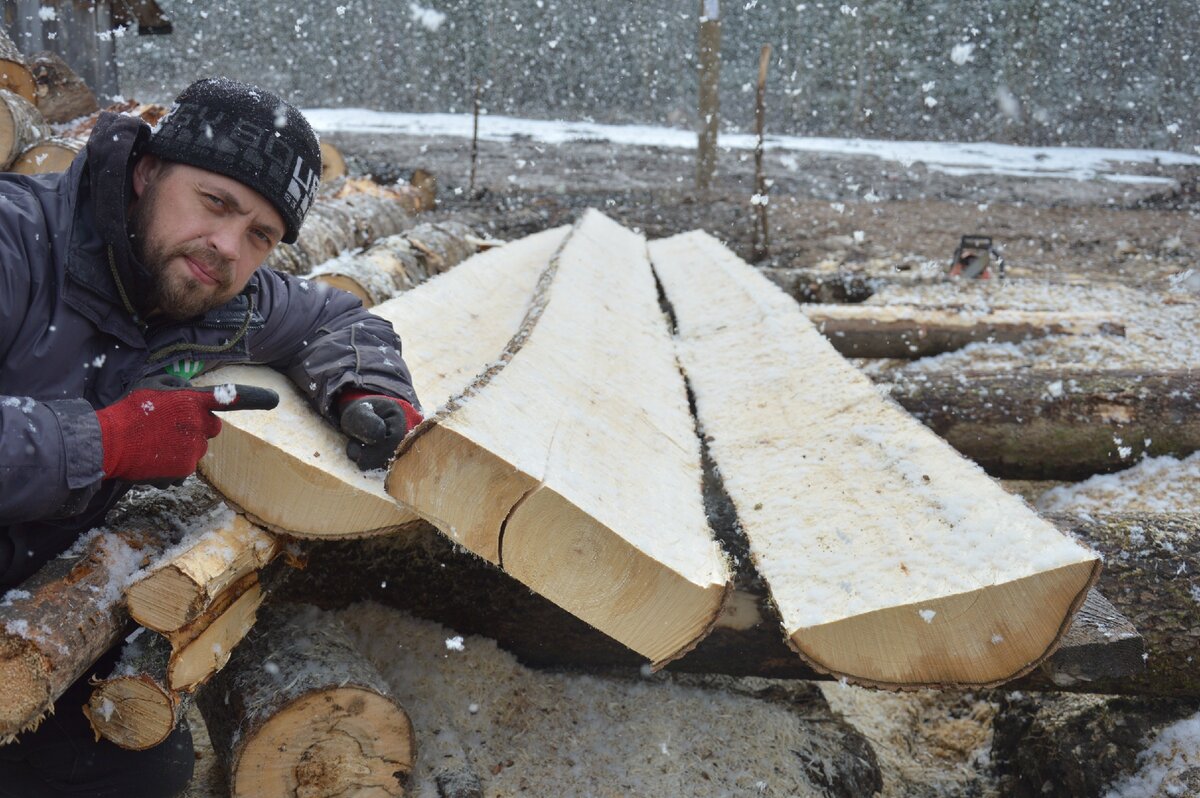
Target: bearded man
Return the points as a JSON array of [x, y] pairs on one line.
[[123, 278]]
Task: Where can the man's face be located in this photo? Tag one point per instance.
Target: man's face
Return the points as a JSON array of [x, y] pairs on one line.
[[199, 234]]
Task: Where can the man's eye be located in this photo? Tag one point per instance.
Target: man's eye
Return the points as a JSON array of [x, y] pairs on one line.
[[266, 239], [214, 200]]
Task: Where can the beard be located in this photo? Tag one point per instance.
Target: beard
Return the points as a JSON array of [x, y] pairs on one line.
[[175, 293]]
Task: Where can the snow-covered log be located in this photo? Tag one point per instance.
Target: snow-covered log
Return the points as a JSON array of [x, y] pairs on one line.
[[134, 707], [287, 468], [21, 125], [893, 560], [298, 711], [397, 263], [15, 75], [62, 96], [1054, 425], [905, 331], [70, 612], [573, 463]]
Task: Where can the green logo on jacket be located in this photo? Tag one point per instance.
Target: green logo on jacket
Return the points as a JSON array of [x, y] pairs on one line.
[[185, 369]]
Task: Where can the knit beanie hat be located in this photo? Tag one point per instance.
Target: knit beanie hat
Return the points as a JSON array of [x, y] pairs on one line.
[[249, 134]]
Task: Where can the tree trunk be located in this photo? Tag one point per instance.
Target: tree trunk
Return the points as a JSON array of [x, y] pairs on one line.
[[62, 96], [46, 156], [15, 75], [823, 471], [1057, 425], [20, 127], [397, 263], [902, 331], [574, 465], [299, 712], [287, 468], [710, 93], [134, 707], [71, 611]]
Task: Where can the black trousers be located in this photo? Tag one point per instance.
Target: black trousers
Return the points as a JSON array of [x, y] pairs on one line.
[[63, 758]]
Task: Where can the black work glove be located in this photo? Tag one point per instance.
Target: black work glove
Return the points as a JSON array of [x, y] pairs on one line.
[[376, 424]]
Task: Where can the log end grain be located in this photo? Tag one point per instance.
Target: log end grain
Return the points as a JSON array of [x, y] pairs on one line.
[[26, 696], [340, 741], [133, 712], [166, 601], [347, 284], [980, 638]]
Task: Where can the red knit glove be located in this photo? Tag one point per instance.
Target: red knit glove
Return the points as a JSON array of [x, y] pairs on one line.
[[161, 429], [376, 424]]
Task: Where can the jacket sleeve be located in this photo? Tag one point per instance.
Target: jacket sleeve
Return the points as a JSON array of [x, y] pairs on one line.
[[326, 342]]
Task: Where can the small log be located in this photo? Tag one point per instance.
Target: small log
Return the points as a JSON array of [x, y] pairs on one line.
[[177, 591], [893, 561], [299, 711], [46, 156], [575, 465], [333, 165], [1060, 425], [20, 127], [70, 612], [287, 467], [904, 331], [201, 648], [134, 707], [15, 75], [62, 96], [397, 263]]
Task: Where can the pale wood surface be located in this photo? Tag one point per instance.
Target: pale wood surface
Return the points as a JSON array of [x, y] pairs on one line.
[[287, 467], [333, 165], [21, 125], [133, 707], [574, 463], [15, 75], [49, 155], [62, 96], [200, 650], [893, 560]]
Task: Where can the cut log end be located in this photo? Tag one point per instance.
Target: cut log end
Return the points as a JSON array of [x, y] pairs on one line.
[[338, 742], [27, 688], [133, 712], [166, 602], [600, 577], [333, 165], [348, 285], [45, 157], [981, 638]]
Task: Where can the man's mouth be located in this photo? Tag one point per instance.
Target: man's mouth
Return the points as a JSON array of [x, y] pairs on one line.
[[207, 275]]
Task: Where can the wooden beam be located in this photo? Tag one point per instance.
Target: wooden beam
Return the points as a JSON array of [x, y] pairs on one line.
[[1056, 425], [573, 463], [287, 468], [893, 560], [908, 332]]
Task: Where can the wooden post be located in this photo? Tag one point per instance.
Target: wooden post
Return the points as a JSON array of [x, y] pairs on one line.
[[710, 102], [474, 138], [761, 240]]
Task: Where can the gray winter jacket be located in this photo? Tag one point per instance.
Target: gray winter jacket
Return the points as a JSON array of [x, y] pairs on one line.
[[71, 342]]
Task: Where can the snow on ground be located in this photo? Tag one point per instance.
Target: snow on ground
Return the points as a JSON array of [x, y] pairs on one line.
[[535, 733], [1164, 765], [954, 158]]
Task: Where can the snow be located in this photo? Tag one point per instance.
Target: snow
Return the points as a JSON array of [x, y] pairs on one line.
[[1157, 484], [225, 394], [1175, 749], [956, 158]]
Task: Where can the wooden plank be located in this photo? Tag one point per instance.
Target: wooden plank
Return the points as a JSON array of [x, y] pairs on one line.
[[906, 331], [893, 560], [574, 464], [287, 468]]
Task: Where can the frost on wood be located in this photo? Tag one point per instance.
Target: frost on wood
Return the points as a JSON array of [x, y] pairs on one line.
[[821, 469]]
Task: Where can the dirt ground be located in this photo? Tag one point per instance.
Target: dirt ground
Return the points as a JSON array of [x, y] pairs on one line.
[[824, 209]]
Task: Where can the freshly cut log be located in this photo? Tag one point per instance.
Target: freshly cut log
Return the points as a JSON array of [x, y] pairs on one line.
[[178, 590], [334, 226], [287, 467], [905, 331], [893, 560], [202, 648], [62, 96], [70, 612], [1057, 425], [397, 263], [299, 712], [15, 75], [134, 707], [333, 165], [573, 462], [20, 127], [46, 156], [150, 113]]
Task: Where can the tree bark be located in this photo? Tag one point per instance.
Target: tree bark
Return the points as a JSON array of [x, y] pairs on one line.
[[298, 711], [69, 613], [62, 96], [1057, 425], [334, 226], [710, 93], [21, 125], [890, 331]]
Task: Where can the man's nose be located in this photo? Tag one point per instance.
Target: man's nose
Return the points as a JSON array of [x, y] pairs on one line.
[[226, 239]]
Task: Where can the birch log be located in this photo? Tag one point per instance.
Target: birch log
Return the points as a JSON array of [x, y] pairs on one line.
[[20, 126], [903, 331], [334, 226], [70, 612], [574, 463], [287, 468], [299, 712], [134, 707], [893, 560]]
